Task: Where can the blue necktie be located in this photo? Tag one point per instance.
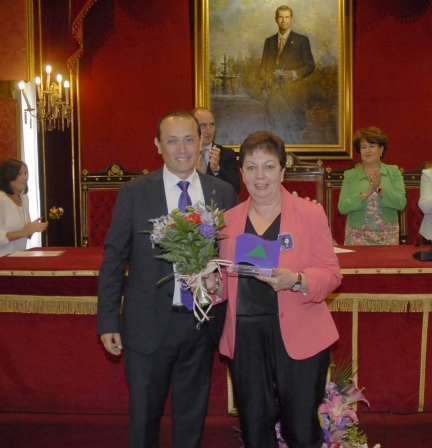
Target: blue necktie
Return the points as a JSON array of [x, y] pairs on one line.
[[184, 201]]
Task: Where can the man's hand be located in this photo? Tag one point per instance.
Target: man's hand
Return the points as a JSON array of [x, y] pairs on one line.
[[288, 75], [112, 343], [294, 193], [214, 157]]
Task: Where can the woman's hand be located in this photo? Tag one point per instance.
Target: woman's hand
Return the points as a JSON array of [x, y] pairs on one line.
[[368, 192], [376, 178], [35, 226], [283, 279]]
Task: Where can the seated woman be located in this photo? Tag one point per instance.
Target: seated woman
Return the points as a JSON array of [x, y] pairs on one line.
[[278, 329], [15, 225], [372, 193], [425, 203]]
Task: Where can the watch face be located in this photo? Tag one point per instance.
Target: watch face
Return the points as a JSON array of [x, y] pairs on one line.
[[296, 286]]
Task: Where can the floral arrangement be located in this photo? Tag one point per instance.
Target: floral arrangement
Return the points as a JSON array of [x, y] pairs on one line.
[[338, 417], [190, 241]]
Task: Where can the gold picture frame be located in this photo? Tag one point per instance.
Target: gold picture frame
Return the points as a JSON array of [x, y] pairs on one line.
[[229, 38]]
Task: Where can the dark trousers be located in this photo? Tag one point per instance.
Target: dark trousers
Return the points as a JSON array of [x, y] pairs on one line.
[[269, 386], [184, 360]]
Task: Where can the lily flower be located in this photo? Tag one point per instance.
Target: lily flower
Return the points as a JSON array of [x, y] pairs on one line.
[[337, 409]]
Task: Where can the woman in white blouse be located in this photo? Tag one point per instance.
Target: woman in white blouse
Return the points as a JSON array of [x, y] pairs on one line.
[[15, 224], [425, 203]]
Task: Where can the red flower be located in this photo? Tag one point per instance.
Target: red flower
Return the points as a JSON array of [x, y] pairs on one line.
[[194, 218]]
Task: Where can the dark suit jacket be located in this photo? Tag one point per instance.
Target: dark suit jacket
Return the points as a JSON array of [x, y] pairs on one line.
[[147, 306], [228, 167], [296, 55]]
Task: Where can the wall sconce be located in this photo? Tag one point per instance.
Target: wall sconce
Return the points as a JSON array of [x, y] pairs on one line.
[[52, 107]]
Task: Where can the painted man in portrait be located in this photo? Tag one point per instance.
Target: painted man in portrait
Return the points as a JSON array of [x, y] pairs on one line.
[[286, 60]]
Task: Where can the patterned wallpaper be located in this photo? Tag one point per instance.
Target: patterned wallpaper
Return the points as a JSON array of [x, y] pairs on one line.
[[13, 38], [8, 128]]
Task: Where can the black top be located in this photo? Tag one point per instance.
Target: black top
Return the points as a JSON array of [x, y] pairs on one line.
[[254, 297]]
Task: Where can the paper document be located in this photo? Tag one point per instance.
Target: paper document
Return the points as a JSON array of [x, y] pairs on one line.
[[339, 250], [37, 253]]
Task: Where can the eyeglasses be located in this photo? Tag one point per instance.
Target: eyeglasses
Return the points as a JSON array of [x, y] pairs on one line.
[[176, 142]]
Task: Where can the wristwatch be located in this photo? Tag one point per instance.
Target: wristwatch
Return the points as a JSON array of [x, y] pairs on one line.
[[297, 285], [379, 189], [216, 171]]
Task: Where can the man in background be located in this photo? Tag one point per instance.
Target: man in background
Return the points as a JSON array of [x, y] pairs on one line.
[[286, 60], [215, 160], [157, 332]]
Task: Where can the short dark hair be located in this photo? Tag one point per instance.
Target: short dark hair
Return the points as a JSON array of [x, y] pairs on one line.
[[263, 140], [284, 8], [372, 134], [9, 170], [176, 113]]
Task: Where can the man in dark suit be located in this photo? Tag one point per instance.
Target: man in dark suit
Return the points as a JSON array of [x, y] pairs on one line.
[[286, 60], [158, 335], [217, 160]]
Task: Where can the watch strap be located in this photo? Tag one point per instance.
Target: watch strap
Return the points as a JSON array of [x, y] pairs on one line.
[[297, 285]]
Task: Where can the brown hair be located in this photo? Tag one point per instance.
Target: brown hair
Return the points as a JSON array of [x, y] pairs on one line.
[[371, 134], [263, 140], [284, 8]]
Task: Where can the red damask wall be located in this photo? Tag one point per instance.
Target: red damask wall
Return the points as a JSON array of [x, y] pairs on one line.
[[13, 38], [138, 64], [392, 81], [8, 128]]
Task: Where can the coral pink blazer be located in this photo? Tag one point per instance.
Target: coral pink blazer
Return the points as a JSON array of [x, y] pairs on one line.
[[305, 320]]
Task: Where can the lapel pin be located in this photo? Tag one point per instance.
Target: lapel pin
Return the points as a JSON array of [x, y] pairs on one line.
[[214, 192]]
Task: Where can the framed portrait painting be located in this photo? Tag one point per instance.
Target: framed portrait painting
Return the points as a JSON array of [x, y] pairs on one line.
[[285, 68]]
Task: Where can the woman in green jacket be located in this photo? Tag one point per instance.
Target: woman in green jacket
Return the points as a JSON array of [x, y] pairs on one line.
[[372, 193]]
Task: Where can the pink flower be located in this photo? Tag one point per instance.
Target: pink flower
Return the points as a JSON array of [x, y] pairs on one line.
[[352, 394], [336, 409]]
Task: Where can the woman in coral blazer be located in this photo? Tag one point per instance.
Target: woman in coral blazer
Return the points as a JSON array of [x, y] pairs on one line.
[[278, 329]]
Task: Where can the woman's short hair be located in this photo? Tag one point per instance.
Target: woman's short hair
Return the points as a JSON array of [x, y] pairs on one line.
[[371, 134], [9, 170], [263, 140]]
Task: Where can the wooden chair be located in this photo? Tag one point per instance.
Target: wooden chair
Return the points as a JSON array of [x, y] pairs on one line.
[[412, 216], [99, 191], [304, 178]]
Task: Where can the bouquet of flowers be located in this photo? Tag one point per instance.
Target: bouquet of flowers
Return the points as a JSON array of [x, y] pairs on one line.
[[190, 241], [339, 419]]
